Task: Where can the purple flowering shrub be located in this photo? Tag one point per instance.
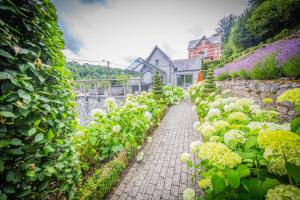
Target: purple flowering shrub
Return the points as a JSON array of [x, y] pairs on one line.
[[274, 60]]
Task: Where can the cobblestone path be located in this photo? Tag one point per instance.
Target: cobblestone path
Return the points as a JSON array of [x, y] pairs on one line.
[[161, 175]]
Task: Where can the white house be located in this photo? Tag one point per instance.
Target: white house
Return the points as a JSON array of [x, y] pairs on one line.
[[181, 72]]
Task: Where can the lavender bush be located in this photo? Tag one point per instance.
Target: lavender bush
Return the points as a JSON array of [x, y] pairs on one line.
[[283, 50]]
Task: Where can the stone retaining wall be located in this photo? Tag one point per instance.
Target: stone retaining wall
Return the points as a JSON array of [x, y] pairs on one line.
[[258, 90], [85, 104]]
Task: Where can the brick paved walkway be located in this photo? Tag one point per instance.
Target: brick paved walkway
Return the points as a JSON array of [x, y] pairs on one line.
[[161, 175]]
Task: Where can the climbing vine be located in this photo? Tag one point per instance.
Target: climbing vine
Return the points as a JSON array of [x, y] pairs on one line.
[[37, 114]]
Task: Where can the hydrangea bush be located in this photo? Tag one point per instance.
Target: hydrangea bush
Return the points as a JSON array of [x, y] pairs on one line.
[[246, 153]]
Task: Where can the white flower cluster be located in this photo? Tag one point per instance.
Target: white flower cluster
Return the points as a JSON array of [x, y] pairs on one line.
[[214, 112], [185, 157], [98, 112], [110, 103], [189, 194], [194, 146], [234, 137], [116, 128]]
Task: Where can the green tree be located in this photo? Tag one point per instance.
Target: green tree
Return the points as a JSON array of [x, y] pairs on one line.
[[224, 27], [272, 16], [157, 86], [240, 37], [37, 113]]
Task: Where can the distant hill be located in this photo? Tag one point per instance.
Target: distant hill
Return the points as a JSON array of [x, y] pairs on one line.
[[89, 71]]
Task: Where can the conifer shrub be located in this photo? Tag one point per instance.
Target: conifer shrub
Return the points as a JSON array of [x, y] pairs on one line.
[[157, 87]]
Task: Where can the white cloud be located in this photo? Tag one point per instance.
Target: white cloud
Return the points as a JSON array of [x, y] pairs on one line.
[[124, 29]]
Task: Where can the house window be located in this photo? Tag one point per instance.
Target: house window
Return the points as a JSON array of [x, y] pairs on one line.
[[156, 62], [184, 80]]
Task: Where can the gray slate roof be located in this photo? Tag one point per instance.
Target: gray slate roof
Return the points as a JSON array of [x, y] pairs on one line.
[[190, 64], [213, 39]]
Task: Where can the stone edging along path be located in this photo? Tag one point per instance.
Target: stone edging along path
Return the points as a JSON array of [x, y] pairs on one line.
[[160, 174]]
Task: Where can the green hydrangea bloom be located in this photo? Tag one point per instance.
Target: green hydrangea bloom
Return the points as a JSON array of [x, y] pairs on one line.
[[283, 192]]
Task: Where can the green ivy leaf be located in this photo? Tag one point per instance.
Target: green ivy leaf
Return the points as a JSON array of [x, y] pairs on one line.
[[17, 151], [4, 75], [5, 54], [218, 183], [233, 178], [32, 131], [293, 171], [50, 135], [4, 143], [16, 142], [243, 171], [39, 137], [7, 114]]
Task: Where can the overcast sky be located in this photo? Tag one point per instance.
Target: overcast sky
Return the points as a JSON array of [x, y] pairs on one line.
[[122, 30]]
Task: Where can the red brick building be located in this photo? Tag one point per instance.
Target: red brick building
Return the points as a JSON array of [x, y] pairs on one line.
[[210, 47]]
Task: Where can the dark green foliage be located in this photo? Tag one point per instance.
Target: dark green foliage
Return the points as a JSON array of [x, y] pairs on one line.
[[157, 86], [100, 183], [224, 27], [244, 74], [266, 69], [37, 111], [240, 37], [270, 17], [291, 68], [88, 71]]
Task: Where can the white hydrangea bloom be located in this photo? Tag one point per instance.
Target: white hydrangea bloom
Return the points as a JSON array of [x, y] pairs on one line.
[[213, 113], [215, 104], [256, 125], [148, 115], [230, 107], [110, 103], [185, 157], [220, 125], [206, 129], [98, 112], [244, 102], [116, 128], [195, 146], [189, 194], [234, 137], [229, 100]]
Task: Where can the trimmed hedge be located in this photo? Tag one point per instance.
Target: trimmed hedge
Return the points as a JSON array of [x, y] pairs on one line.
[[103, 179]]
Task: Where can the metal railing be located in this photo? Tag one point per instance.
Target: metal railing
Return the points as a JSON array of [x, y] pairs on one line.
[[109, 87]]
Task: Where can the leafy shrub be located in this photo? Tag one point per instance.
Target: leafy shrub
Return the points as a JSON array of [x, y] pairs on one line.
[[245, 153], [244, 74], [100, 183], [173, 95], [120, 128], [223, 76], [266, 69], [37, 112], [291, 68]]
